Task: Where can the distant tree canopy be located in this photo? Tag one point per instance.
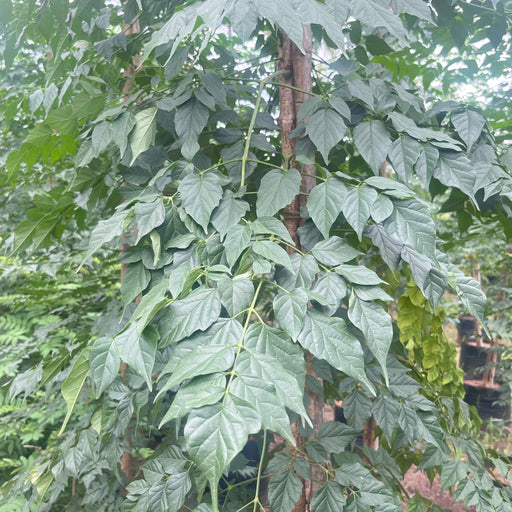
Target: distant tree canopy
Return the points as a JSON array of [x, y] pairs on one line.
[[224, 215]]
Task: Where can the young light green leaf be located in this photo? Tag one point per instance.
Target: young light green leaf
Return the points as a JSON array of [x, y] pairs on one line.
[[104, 363], [74, 382], [200, 193], [284, 491], [357, 206], [143, 135], [290, 310], [329, 338], [325, 204], [334, 251], [235, 294], [138, 351], [277, 189], [326, 127], [273, 252], [373, 142], [376, 326]]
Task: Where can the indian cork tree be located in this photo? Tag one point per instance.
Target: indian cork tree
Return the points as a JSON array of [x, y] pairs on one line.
[[270, 170]]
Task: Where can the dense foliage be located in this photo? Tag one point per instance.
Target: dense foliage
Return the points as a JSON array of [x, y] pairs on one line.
[[186, 139]]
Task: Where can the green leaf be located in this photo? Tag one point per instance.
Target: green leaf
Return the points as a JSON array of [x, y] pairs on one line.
[[334, 251], [330, 498], [136, 278], [200, 193], [101, 137], [121, 129], [143, 135], [106, 231], [267, 368], [148, 216], [305, 270], [391, 187], [235, 294], [331, 287], [382, 208], [195, 312], [273, 252], [452, 473], [372, 140], [150, 304], [284, 491], [357, 206], [271, 226], [169, 494], [138, 351], [200, 391], [290, 310], [358, 274], [335, 436], [214, 434], [329, 338], [376, 325], [469, 124], [228, 213], [238, 238], [404, 153], [326, 127], [357, 408], [412, 224], [390, 248], [456, 170], [426, 163], [471, 295], [263, 339], [74, 382], [325, 204], [190, 119], [277, 189], [386, 411], [104, 363]]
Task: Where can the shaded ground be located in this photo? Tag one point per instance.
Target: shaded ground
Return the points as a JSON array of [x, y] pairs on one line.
[[419, 482]]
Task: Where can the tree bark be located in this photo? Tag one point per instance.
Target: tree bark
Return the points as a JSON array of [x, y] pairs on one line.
[[298, 66]]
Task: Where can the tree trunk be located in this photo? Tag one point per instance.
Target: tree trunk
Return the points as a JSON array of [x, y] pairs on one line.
[[298, 76]]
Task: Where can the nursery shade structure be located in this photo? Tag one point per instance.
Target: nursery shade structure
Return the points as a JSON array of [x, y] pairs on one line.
[[272, 204]]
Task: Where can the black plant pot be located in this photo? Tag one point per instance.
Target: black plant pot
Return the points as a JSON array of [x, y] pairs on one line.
[[473, 356], [467, 326], [491, 402]]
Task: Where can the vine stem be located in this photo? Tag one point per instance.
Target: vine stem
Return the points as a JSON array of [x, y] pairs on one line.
[[258, 480], [245, 155], [240, 343]]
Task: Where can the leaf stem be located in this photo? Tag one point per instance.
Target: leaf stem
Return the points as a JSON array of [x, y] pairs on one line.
[[260, 470]]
